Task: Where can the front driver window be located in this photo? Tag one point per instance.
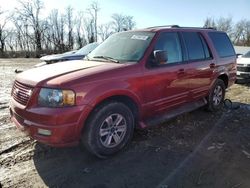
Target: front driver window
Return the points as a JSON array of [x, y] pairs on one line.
[[170, 43]]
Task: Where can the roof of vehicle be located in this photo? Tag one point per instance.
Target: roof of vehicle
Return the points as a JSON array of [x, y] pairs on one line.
[[171, 27]]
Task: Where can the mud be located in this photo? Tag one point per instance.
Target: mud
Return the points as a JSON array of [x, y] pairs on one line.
[[197, 149]]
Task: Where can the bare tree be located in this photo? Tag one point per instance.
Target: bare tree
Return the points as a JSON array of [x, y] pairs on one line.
[[122, 22], [93, 10], [239, 33], [56, 31], [209, 23], [3, 31], [129, 22], [80, 37], [118, 22], [242, 33], [226, 25], [89, 29], [69, 22], [30, 11], [105, 31], [11, 40]]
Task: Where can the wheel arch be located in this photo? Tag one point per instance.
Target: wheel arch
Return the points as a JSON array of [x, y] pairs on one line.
[[224, 78], [127, 100]]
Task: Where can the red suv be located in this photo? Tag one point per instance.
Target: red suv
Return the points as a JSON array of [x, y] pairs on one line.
[[134, 79]]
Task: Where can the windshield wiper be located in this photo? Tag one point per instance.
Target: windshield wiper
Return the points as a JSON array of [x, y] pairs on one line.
[[107, 58]]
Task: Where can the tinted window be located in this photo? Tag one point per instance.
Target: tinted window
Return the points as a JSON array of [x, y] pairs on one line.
[[170, 43], [194, 46], [222, 44]]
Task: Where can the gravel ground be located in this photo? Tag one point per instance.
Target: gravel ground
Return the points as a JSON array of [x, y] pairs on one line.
[[197, 149]]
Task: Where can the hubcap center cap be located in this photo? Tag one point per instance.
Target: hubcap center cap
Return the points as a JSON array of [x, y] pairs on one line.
[[112, 130]]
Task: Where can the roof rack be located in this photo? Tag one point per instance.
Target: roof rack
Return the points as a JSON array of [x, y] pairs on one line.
[[177, 26], [167, 26]]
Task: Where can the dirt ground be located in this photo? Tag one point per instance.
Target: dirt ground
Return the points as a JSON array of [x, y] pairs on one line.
[[197, 149]]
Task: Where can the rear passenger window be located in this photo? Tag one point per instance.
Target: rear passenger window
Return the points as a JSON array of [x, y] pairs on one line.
[[222, 44], [196, 46]]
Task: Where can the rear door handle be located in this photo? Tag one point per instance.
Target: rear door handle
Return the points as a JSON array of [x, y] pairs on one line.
[[181, 71]]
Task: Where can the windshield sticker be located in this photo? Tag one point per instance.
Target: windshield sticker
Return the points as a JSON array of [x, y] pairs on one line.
[[139, 37]]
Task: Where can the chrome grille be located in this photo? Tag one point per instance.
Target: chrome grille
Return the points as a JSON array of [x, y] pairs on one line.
[[243, 69], [21, 93]]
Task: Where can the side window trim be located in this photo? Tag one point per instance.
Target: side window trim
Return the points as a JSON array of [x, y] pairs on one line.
[[183, 48], [205, 47]]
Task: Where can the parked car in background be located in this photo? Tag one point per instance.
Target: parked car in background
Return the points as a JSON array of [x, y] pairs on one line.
[[243, 67], [133, 79], [72, 55]]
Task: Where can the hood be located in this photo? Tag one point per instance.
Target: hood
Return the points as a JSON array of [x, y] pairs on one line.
[[59, 57], [35, 75], [243, 60]]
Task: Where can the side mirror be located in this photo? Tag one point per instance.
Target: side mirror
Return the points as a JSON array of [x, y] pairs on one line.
[[238, 55], [160, 56]]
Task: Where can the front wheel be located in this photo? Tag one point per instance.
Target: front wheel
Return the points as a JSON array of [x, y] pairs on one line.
[[216, 96], [109, 128]]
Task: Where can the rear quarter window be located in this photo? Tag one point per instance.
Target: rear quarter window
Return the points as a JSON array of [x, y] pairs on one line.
[[222, 44]]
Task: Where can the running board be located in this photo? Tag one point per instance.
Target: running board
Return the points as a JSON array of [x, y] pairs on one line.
[[156, 120]]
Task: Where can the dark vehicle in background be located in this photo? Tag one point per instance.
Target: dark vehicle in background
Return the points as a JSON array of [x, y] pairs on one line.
[[134, 79], [243, 67], [67, 56]]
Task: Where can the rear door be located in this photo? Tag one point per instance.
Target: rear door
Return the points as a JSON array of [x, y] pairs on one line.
[[201, 64]]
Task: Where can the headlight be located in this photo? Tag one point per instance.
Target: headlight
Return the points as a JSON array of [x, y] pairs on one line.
[[56, 97]]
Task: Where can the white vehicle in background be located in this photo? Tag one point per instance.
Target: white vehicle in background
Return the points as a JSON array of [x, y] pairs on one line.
[[243, 67]]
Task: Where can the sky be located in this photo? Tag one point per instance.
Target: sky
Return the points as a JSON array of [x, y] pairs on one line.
[[148, 13]]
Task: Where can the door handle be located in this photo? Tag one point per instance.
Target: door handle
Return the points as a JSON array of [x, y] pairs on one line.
[[212, 65], [181, 71]]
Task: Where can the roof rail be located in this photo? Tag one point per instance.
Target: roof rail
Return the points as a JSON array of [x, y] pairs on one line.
[[177, 26], [199, 28], [167, 26], [214, 28]]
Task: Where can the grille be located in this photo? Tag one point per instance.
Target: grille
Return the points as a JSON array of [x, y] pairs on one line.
[[21, 93], [243, 69]]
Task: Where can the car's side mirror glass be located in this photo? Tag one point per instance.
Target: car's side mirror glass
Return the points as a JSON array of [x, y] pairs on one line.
[[160, 57]]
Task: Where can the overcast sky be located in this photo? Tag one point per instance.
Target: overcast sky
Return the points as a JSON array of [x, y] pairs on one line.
[[151, 13]]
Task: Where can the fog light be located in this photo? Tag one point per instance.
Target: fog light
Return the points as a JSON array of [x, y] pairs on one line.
[[44, 132]]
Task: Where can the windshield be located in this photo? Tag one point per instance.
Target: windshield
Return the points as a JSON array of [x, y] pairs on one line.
[[87, 49], [247, 54], [124, 46]]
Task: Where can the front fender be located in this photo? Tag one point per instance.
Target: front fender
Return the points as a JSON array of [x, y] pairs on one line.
[[99, 93]]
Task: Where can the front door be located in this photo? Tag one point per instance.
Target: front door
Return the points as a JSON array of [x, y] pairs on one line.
[[166, 84]]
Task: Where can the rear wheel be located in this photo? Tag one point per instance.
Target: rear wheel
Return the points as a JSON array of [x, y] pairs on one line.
[[216, 96], [109, 128]]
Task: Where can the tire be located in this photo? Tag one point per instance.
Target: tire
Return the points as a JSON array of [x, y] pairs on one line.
[[216, 96], [109, 129]]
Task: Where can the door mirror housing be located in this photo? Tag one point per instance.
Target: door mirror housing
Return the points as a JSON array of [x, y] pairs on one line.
[[160, 56]]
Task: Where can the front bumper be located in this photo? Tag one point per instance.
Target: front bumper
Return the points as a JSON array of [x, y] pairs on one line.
[[243, 71], [243, 75], [65, 124]]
